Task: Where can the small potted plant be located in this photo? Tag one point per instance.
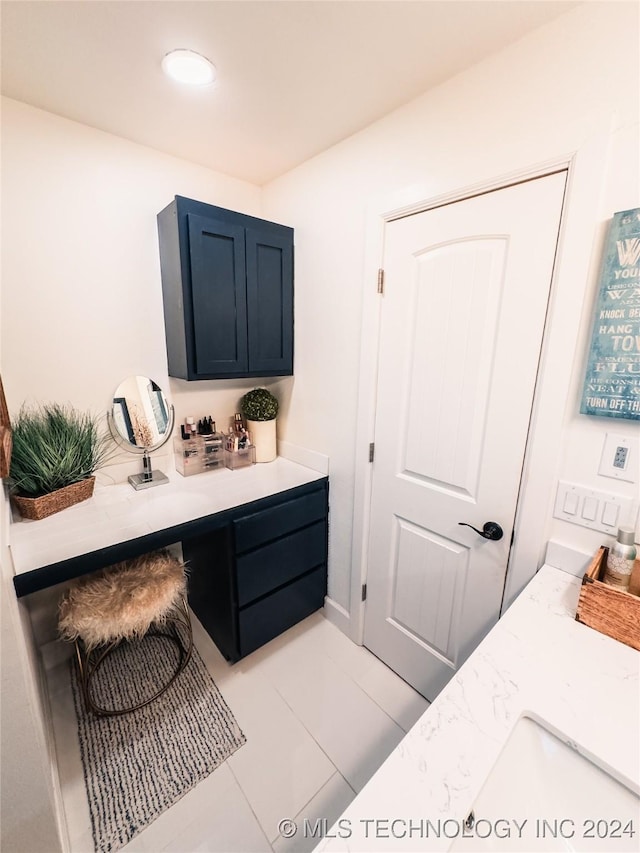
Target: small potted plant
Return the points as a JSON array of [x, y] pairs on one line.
[[260, 408], [56, 450]]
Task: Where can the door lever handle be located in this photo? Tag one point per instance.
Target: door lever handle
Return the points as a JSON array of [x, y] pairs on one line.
[[490, 530]]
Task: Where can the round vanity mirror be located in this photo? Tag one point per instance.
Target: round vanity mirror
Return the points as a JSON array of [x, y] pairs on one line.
[[142, 420]]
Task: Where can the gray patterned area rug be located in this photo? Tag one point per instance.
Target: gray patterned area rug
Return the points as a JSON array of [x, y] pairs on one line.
[[139, 764]]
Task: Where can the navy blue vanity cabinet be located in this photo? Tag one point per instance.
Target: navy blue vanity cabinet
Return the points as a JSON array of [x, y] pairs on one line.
[[227, 285], [262, 572]]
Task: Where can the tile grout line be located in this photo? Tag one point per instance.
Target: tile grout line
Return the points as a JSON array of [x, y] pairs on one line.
[[373, 698], [360, 688], [333, 776], [242, 791], [346, 672], [318, 744]]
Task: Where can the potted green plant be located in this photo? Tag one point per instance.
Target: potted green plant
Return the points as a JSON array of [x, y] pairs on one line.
[[56, 450], [260, 408]]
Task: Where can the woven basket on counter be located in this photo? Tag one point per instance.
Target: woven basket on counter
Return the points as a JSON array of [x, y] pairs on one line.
[[611, 611], [36, 508]]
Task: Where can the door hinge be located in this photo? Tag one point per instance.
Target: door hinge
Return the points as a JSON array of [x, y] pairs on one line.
[[380, 281], [364, 592], [372, 450]]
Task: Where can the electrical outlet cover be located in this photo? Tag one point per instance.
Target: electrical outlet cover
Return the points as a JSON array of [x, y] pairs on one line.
[[619, 458]]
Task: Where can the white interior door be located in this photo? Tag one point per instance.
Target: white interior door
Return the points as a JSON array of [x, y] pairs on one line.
[[466, 293]]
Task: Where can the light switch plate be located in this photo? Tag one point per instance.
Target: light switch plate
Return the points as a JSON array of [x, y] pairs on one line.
[[593, 509], [619, 458]]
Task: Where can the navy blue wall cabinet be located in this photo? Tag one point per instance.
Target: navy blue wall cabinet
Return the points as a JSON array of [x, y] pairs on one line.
[[227, 286], [263, 572]]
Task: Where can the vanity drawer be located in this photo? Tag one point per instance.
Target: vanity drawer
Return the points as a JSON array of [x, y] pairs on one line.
[[264, 620], [267, 568], [268, 524]]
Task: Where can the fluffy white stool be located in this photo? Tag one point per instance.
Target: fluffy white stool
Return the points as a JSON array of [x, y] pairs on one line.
[[123, 603]]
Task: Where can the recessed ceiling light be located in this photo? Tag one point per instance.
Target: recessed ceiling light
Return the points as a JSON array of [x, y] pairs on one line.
[[187, 66]]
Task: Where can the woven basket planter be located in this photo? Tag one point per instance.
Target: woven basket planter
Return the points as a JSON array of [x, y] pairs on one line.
[[37, 508]]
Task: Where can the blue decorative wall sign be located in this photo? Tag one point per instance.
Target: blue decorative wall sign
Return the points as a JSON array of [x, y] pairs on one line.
[[612, 381]]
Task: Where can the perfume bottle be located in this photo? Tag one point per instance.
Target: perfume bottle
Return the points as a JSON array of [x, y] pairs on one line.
[[620, 559]]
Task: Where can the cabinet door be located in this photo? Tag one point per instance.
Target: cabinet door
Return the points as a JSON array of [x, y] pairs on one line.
[[219, 302], [270, 302]]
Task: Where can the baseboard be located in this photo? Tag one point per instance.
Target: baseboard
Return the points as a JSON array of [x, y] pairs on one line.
[[338, 616], [309, 458], [58, 803]]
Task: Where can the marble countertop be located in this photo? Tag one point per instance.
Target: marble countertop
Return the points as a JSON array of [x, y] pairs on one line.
[[119, 513], [537, 661]]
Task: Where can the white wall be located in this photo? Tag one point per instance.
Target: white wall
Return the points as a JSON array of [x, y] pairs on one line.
[[29, 820], [82, 299], [567, 86]]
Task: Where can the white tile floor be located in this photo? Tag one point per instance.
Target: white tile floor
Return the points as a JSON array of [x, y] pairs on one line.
[[320, 715]]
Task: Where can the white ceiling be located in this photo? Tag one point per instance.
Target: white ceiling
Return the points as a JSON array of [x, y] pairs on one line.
[[294, 77]]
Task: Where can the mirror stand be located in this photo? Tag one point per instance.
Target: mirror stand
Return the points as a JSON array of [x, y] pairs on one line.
[[148, 477]]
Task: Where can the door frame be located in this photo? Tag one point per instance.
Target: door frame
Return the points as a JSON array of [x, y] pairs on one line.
[[586, 167]]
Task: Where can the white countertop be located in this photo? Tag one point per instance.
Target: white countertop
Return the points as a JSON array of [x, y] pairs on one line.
[[537, 661], [119, 513]]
